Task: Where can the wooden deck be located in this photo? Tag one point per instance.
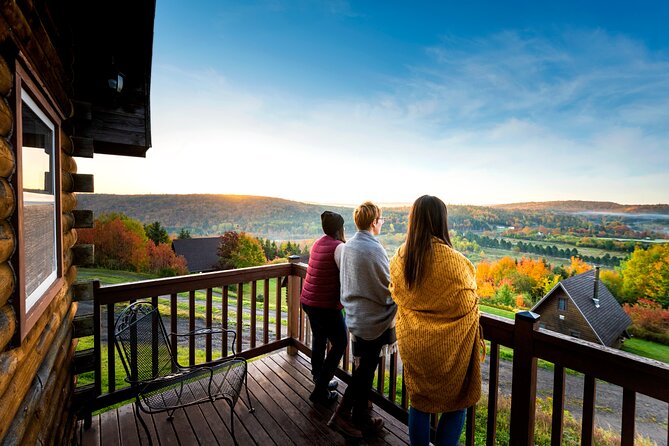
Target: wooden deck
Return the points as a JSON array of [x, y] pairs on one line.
[[279, 385]]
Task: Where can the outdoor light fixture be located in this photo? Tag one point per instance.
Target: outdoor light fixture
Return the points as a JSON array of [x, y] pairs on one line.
[[115, 81]]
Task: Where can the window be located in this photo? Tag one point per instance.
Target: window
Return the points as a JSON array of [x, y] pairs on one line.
[[38, 257], [562, 303], [575, 333], [39, 201]]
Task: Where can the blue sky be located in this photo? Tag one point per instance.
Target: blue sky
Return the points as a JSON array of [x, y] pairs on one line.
[[339, 102]]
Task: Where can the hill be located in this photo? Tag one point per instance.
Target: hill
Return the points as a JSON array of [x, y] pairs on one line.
[[205, 214], [573, 206]]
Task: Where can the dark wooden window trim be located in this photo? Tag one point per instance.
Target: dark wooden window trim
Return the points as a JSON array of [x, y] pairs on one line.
[[27, 80]]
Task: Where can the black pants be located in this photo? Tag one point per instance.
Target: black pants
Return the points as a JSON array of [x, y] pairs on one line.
[[326, 324], [357, 393]]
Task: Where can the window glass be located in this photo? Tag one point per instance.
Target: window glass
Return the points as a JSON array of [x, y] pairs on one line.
[[562, 303], [39, 201]]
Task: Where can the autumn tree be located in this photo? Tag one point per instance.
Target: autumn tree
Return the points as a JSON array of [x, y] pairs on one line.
[[646, 275], [120, 242], [240, 250], [156, 232], [163, 261]]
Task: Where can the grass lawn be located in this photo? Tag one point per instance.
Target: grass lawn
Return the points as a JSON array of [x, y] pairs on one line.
[[497, 311], [647, 349]]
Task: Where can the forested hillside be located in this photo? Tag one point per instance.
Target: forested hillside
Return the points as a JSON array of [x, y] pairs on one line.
[[587, 206]]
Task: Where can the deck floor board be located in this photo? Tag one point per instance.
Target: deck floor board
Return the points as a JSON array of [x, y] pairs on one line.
[[279, 387]]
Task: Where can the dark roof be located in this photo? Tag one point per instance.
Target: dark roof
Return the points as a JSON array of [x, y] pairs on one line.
[[200, 253], [608, 320]]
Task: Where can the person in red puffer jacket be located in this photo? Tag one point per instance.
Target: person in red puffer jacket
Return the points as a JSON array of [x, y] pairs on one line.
[[320, 300]]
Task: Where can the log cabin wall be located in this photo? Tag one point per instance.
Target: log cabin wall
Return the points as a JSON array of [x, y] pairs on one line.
[[36, 380], [572, 322]]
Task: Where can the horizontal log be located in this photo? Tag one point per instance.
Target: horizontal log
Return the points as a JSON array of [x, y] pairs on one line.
[[65, 142], [7, 325], [83, 326], [53, 413], [84, 255], [84, 361], [6, 118], [83, 218], [7, 282], [7, 161], [50, 374], [6, 78], [69, 239], [70, 274], [82, 292], [31, 354], [67, 220], [7, 240], [68, 164], [8, 365], [82, 147], [83, 396], [7, 199], [68, 202]]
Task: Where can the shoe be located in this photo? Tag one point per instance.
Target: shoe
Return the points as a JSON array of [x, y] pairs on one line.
[[344, 425], [332, 385], [369, 424], [325, 398]]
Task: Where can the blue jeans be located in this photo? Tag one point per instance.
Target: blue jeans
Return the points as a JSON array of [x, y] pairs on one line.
[[448, 430]]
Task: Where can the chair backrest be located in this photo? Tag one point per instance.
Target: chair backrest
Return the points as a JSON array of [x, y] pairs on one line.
[[142, 342]]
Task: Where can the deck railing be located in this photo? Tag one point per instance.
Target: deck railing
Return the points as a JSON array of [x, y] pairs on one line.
[[231, 299]]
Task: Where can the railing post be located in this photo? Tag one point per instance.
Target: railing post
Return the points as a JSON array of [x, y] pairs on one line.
[[293, 297], [524, 381]]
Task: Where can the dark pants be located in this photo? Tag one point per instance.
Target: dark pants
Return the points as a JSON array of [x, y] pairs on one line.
[[326, 324], [357, 393]]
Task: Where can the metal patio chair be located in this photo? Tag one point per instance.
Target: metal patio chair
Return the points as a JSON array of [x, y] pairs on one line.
[[160, 382]]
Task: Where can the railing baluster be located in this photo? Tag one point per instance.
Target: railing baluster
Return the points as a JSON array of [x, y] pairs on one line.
[[405, 399], [265, 312], [111, 364], [224, 321], [240, 313], [470, 427], [558, 405], [392, 377], [278, 308], [208, 319], [381, 376], [154, 338], [629, 411], [588, 421], [253, 313], [191, 327], [493, 392], [174, 325]]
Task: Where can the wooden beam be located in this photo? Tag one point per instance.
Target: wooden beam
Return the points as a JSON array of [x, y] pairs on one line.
[[7, 240], [7, 325], [83, 326], [82, 147], [84, 255], [83, 182], [84, 361], [83, 218], [82, 292], [7, 282], [7, 199]]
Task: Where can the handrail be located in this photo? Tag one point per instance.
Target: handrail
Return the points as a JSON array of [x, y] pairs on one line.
[[291, 329]]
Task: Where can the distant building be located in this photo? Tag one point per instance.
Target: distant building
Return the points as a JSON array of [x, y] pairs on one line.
[[582, 307], [201, 253]]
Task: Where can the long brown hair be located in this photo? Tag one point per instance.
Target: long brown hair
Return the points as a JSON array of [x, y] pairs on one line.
[[428, 218]]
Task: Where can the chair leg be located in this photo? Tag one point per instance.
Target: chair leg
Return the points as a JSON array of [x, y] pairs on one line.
[[248, 395], [146, 428]]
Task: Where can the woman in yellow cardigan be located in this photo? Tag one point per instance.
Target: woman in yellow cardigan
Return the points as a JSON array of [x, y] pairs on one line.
[[438, 330]]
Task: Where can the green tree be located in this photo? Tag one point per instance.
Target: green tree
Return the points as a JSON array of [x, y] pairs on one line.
[[156, 232], [249, 252], [184, 234], [646, 275]]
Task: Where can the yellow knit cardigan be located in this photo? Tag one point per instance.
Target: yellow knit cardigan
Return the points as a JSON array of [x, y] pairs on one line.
[[438, 331]]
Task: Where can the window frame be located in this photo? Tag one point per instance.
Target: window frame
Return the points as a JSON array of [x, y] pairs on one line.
[[559, 302], [26, 81]]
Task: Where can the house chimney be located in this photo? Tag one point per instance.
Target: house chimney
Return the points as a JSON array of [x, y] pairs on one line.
[[595, 295]]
